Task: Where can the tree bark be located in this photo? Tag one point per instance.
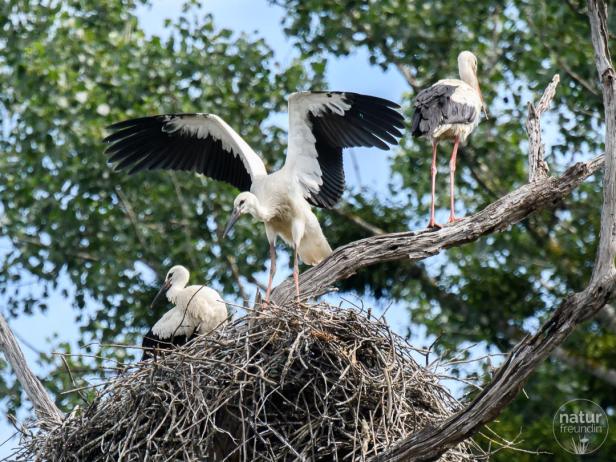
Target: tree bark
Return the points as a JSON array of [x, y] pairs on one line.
[[46, 410], [537, 167], [430, 443], [418, 245], [604, 264]]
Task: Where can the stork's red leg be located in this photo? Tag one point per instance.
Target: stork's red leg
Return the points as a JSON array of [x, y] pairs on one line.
[[452, 173], [432, 223], [272, 249], [296, 272]]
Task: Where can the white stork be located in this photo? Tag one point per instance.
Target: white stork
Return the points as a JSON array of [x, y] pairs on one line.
[[449, 109], [321, 124], [197, 310]]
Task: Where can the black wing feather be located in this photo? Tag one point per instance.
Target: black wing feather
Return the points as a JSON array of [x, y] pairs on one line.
[[152, 342], [143, 144], [369, 122], [434, 107]]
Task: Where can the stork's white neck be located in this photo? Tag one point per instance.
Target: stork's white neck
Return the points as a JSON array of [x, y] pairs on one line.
[[467, 73], [174, 290], [259, 211]]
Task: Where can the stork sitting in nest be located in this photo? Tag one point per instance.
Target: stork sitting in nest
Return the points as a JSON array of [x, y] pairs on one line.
[[198, 310]]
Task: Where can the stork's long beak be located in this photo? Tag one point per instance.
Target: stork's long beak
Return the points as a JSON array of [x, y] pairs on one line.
[[235, 215], [483, 104], [161, 293]]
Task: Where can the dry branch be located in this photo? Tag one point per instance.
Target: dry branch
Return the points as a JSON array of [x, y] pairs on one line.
[[537, 167], [46, 410], [607, 315], [418, 245], [604, 264], [429, 443]]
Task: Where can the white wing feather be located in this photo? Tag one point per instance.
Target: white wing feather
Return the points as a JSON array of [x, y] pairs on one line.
[[202, 125], [302, 157], [174, 322]]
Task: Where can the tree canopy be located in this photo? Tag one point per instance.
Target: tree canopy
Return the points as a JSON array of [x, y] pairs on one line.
[[68, 69]]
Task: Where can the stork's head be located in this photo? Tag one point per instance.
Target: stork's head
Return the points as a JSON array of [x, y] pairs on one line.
[[245, 202], [467, 66], [176, 277]]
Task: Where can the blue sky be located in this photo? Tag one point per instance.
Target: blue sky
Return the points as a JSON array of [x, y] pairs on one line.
[[353, 73]]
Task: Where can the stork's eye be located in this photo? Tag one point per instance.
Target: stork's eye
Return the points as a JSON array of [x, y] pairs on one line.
[[241, 202]]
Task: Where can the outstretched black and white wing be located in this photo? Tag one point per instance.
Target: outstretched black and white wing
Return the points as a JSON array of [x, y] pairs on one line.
[[202, 143], [446, 102], [321, 124]]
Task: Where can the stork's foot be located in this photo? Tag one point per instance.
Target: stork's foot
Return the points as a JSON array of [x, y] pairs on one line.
[[453, 219], [434, 225]]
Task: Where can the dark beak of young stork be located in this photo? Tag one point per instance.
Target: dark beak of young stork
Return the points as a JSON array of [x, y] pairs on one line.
[[235, 215], [161, 293]]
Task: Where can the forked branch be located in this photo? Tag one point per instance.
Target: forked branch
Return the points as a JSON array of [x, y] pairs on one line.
[[418, 245], [537, 166], [430, 443]]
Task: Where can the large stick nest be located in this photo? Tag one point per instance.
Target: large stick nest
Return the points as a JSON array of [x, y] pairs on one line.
[[293, 383]]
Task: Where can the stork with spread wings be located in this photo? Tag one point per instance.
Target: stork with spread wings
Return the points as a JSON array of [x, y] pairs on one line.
[[321, 125]]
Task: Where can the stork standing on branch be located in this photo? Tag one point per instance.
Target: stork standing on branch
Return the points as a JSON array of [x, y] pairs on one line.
[[198, 310], [321, 124], [449, 109]]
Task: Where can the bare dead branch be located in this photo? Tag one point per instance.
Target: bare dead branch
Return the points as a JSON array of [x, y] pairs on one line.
[[604, 264], [431, 442], [418, 245], [537, 167], [430, 287], [47, 412]]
